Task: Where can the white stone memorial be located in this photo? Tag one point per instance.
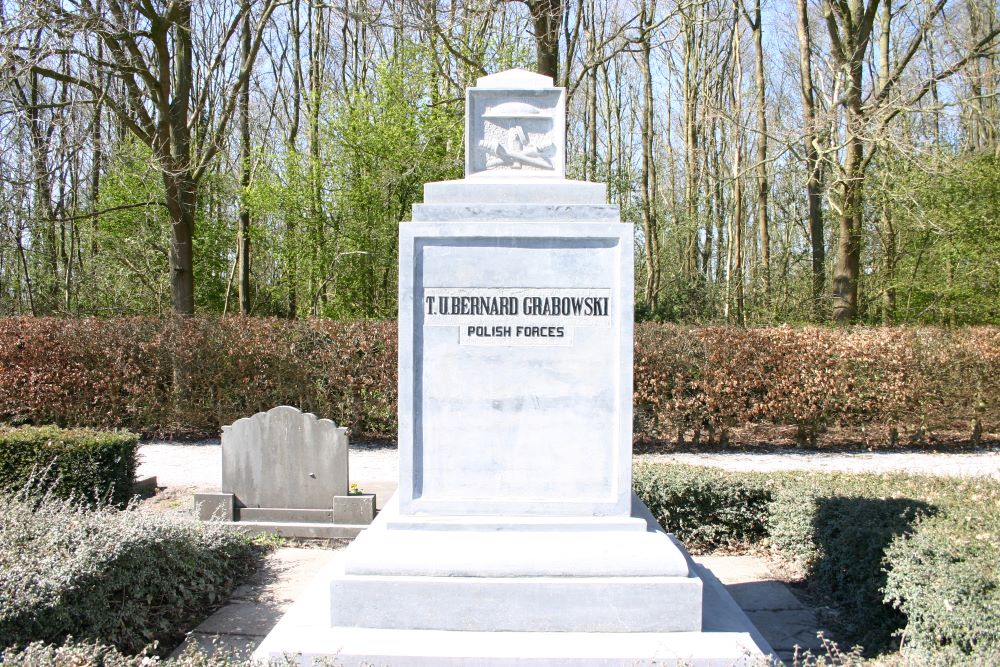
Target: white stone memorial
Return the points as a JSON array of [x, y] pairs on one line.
[[514, 536]]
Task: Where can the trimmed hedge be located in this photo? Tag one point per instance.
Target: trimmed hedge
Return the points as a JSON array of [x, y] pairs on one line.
[[97, 466], [897, 556], [189, 376], [707, 508], [122, 577]]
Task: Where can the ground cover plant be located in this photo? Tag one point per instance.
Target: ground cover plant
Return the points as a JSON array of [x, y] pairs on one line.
[[124, 577], [95, 654], [189, 376], [899, 558], [89, 465]]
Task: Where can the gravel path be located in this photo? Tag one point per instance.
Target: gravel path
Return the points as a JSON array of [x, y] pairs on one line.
[[198, 464], [963, 464]]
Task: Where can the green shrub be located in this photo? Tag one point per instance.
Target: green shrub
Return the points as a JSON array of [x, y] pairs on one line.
[[82, 463], [917, 557], [837, 528], [95, 654], [705, 508], [126, 577], [945, 576]]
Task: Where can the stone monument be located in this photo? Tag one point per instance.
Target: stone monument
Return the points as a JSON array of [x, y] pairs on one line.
[[285, 471], [514, 535]]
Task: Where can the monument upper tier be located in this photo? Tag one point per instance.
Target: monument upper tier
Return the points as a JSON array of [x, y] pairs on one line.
[[515, 156], [515, 127]]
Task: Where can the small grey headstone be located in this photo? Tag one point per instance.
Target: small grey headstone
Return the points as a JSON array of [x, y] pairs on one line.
[[285, 458]]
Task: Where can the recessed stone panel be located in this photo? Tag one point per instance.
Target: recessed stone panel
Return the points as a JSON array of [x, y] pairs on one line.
[[513, 397]]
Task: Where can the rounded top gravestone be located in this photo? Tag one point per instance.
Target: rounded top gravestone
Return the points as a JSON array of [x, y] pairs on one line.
[[284, 458]]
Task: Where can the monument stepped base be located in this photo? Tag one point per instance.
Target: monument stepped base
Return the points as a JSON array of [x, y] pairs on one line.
[[514, 576], [305, 635]]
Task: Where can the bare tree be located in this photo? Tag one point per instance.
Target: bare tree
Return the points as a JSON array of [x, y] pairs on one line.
[[547, 19], [814, 166], [149, 52], [243, 233]]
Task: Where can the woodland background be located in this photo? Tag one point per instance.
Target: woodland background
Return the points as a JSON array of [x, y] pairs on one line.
[[782, 160]]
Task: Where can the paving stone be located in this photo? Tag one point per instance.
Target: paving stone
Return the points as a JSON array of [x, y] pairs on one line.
[[737, 569], [763, 596], [243, 617], [780, 617], [237, 645], [286, 571], [383, 489], [788, 628]]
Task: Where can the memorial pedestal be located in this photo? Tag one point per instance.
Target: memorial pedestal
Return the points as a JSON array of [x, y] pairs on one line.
[[514, 536], [560, 575]]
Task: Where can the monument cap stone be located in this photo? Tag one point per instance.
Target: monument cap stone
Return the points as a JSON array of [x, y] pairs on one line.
[[515, 127]]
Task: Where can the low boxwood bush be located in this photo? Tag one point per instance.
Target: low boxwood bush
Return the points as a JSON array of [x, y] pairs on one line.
[[945, 575], [900, 558], [706, 508], [81, 463], [95, 654], [126, 577], [838, 528]]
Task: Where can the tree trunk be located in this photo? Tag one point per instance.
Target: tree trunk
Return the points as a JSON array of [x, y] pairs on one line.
[[292, 216], [243, 233], [734, 278], [546, 18], [45, 226], [814, 168], [847, 270], [648, 178], [850, 48], [762, 185], [692, 176], [181, 186], [181, 196], [888, 230]]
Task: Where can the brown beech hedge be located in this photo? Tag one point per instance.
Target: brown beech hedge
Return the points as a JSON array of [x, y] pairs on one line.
[[186, 377]]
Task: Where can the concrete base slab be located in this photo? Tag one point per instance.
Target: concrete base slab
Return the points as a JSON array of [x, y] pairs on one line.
[[564, 576], [441, 546], [215, 506], [528, 604], [356, 508], [305, 635], [523, 191], [307, 530], [144, 485], [516, 212], [285, 515]]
